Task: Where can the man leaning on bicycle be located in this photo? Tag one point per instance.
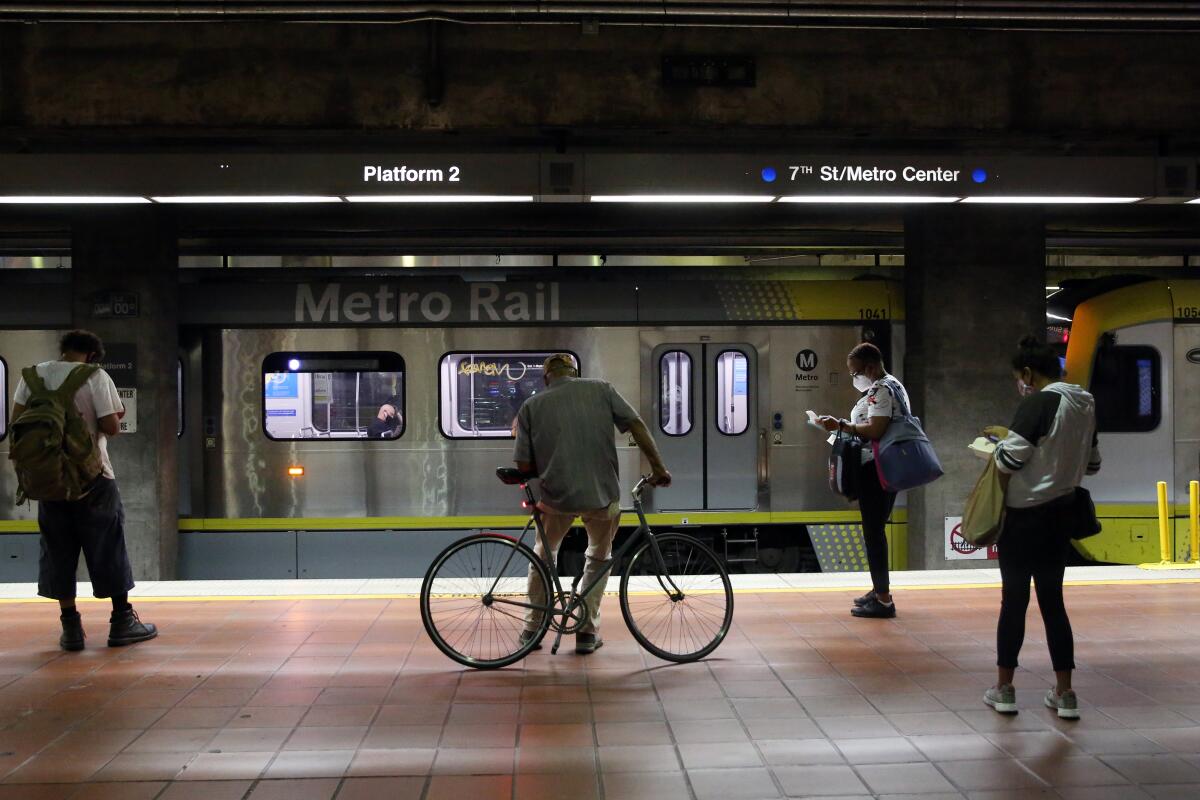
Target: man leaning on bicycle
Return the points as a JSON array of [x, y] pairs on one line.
[[564, 435]]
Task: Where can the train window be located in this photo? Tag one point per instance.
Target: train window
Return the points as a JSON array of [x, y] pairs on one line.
[[675, 398], [1126, 382], [481, 392], [733, 392], [3, 398], [333, 395]]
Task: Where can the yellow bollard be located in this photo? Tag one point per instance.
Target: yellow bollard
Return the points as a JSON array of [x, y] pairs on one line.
[[1194, 508], [1164, 530], [1164, 522]]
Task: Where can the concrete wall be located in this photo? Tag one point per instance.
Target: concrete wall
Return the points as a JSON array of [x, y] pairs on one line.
[[134, 251], [826, 85], [974, 284]]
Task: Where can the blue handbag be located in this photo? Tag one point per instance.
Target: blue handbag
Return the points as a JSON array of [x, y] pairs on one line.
[[904, 456]]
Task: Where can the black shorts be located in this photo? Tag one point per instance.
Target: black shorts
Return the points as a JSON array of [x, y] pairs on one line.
[[94, 525]]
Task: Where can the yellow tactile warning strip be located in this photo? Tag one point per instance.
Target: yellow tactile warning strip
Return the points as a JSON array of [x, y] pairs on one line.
[[747, 590]]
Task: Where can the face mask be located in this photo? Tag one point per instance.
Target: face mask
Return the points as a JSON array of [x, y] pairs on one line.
[[862, 382]]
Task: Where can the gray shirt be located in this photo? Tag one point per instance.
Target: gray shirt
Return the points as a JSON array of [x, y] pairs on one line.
[[566, 433]]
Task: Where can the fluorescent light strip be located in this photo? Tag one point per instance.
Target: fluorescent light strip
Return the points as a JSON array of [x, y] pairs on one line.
[[83, 200], [1050, 200], [857, 198], [247, 198], [440, 198], [682, 198], [1057, 317], [1190, 202]]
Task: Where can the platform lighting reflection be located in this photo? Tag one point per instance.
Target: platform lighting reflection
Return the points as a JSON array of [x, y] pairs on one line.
[[293, 364], [1050, 200], [682, 198], [439, 198], [247, 198], [865, 198], [295, 472], [1190, 202], [83, 200]]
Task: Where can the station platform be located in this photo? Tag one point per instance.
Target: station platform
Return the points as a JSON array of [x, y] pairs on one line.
[[330, 690]]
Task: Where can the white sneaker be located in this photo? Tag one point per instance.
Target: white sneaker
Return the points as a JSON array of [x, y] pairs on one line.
[[1066, 704], [1002, 698]]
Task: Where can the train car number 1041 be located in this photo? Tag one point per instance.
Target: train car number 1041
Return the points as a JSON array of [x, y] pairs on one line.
[[872, 313]]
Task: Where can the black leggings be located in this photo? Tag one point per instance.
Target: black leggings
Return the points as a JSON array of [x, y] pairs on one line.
[[1033, 545], [875, 505]]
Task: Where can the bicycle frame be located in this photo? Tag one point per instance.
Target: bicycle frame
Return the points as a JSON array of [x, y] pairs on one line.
[[565, 607]]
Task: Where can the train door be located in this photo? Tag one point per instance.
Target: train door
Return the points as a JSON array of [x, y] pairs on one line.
[[707, 424]]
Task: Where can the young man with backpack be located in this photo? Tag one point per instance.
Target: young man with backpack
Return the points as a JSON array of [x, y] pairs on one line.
[[64, 413]]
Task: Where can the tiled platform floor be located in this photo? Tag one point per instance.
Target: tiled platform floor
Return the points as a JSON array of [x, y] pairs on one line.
[[280, 699]]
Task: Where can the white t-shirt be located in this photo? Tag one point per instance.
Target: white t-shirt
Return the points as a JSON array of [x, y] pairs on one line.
[[95, 399], [877, 401]]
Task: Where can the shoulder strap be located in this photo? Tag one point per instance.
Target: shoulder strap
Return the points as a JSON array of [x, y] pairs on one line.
[[33, 380], [77, 378]]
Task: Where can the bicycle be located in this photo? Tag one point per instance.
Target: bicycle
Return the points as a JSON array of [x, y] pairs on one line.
[[675, 594]]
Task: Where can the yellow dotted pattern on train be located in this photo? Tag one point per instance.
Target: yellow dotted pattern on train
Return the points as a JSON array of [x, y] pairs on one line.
[[806, 300], [839, 547]]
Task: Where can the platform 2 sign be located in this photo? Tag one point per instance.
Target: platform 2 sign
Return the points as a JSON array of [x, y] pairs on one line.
[[959, 549]]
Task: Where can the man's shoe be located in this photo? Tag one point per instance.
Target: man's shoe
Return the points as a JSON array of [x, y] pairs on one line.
[[72, 632], [1066, 704], [526, 636], [1002, 698], [874, 609], [126, 628], [587, 643], [866, 598]]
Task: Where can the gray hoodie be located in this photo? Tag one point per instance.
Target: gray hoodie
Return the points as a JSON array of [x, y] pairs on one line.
[[1050, 446]]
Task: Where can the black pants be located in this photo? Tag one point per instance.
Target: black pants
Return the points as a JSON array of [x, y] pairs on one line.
[[875, 505], [1033, 545], [94, 525]]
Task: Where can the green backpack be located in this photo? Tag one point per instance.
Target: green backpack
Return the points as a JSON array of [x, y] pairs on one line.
[[54, 454]]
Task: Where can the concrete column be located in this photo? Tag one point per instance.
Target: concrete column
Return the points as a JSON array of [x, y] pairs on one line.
[[125, 254], [974, 281]]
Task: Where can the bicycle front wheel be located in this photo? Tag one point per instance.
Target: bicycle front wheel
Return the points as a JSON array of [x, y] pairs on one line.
[[683, 612], [476, 597]]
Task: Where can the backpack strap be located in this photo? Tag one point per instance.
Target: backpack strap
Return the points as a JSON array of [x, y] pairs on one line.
[[33, 380], [898, 402], [76, 379]]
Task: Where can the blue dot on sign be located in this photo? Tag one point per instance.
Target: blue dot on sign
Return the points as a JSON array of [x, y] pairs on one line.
[[979, 175], [768, 174]]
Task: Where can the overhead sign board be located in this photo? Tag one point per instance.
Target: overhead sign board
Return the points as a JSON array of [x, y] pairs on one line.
[[339, 177]]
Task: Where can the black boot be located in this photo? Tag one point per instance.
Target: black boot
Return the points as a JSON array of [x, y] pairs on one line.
[[72, 634], [126, 628]]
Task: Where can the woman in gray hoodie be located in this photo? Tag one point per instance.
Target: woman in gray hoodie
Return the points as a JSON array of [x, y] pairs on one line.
[[1042, 458]]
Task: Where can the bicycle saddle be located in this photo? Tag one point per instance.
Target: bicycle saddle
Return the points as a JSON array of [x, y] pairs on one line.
[[513, 476]]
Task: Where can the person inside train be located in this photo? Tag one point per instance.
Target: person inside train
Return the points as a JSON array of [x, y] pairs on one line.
[[94, 522], [869, 419], [388, 421], [1043, 458], [565, 436]]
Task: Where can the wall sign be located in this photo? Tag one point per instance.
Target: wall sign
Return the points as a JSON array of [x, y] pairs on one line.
[[108, 305], [959, 549], [129, 400], [120, 362]]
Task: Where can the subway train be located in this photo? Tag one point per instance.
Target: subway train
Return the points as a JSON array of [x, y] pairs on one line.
[[327, 440], [343, 431]]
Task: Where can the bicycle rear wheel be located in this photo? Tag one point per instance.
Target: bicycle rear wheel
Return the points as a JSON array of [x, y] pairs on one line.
[[686, 613], [474, 600]]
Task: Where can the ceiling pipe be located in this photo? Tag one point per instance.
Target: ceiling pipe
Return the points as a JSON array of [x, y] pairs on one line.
[[1160, 15]]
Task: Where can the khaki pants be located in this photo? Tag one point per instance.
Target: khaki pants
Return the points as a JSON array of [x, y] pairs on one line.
[[601, 525]]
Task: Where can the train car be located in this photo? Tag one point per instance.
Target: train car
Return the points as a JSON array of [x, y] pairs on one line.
[[1137, 349], [329, 450]]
